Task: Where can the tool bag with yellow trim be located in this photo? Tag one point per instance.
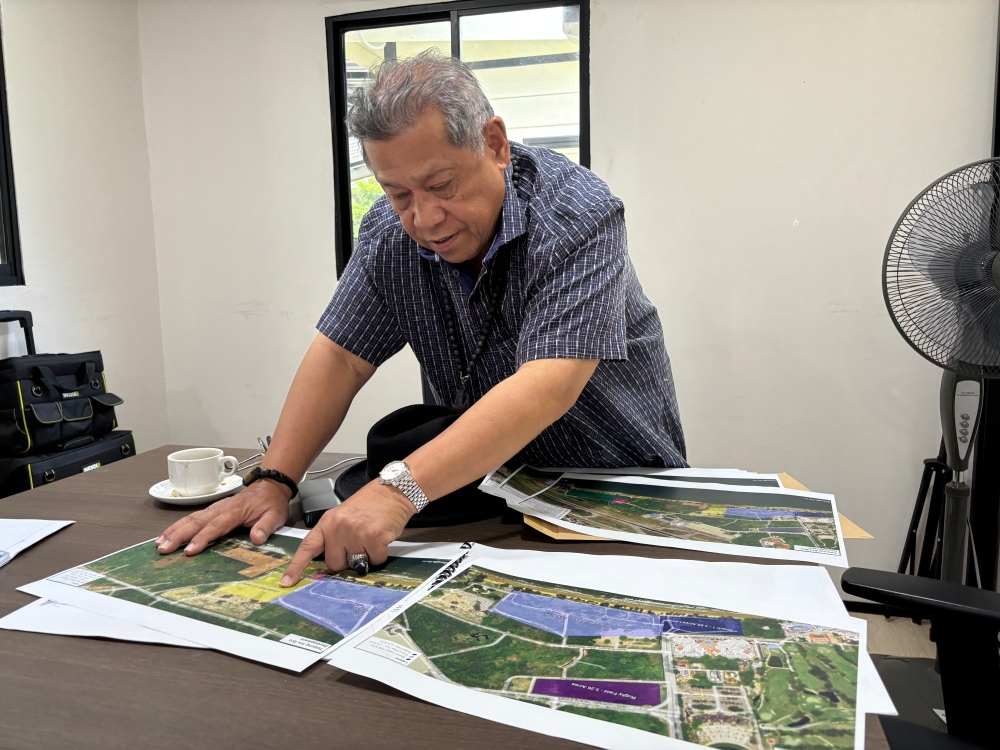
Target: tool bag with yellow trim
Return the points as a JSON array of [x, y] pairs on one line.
[[22, 473], [52, 402]]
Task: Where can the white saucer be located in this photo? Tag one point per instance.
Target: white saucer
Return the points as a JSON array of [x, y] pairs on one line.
[[165, 492]]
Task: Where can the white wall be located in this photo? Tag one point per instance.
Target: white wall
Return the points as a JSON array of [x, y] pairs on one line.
[[764, 153], [82, 183], [763, 150], [238, 121]]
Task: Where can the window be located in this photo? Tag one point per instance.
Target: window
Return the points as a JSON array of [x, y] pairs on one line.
[[531, 58], [11, 273]]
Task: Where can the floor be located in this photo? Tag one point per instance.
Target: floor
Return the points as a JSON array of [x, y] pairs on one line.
[[898, 636]]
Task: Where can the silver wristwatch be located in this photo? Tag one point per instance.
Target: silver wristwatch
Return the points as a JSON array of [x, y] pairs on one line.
[[398, 475]]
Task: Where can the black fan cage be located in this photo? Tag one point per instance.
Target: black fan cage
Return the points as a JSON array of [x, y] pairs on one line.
[[938, 277]]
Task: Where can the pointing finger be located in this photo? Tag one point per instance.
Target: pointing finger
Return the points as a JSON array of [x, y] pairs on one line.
[[311, 546]]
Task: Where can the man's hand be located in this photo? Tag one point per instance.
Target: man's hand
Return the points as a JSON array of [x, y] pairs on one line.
[[263, 505], [375, 516], [324, 386]]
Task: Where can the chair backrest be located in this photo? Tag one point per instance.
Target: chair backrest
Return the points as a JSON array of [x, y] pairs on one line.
[[24, 318], [966, 624]]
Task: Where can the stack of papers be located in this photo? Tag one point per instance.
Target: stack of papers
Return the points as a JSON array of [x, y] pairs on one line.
[[623, 652], [724, 511], [227, 598], [607, 650], [17, 534]]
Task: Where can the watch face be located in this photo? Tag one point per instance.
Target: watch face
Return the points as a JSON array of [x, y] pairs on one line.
[[393, 470]]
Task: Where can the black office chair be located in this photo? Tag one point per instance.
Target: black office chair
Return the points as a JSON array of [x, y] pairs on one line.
[[966, 625]]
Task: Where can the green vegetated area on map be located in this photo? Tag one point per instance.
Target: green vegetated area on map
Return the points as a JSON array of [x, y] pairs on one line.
[[693, 513], [235, 584], [754, 683], [636, 721]]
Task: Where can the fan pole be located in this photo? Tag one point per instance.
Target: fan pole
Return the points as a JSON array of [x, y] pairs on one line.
[[984, 512], [955, 536]]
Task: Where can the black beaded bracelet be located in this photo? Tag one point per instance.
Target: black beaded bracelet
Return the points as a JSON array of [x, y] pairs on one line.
[[258, 473]]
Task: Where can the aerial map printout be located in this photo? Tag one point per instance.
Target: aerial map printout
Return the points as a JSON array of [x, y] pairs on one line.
[[234, 586], [749, 520], [672, 671]]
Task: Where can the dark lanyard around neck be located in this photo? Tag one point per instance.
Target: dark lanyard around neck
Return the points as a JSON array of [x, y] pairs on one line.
[[497, 280]]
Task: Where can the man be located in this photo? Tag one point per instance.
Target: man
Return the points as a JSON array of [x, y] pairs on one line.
[[474, 233]]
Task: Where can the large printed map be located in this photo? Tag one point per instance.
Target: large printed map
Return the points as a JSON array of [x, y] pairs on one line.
[[235, 584], [709, 677], [782, 519]]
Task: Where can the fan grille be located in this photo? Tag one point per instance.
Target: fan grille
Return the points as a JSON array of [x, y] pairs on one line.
[[938, 275]]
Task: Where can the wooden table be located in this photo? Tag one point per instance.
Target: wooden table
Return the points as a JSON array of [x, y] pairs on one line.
[[90, 693]]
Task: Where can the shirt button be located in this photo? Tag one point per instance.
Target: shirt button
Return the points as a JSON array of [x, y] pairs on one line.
[[455, 274]]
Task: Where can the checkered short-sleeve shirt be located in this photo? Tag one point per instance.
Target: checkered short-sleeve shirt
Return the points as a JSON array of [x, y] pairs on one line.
[[571, 292]]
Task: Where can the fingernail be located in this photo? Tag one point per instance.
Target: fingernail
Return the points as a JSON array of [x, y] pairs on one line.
[[161, 545], [286, 580], [189, 548], [159, 540]]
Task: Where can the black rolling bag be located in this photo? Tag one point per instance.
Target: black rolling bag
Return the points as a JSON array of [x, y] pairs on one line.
[[52, 402], [22, 473]]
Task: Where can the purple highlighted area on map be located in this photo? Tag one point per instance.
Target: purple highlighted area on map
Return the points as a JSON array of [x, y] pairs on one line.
[[702, 625], [563, 617], [628, 693], [759, 513], [339, 605], [762, 514]]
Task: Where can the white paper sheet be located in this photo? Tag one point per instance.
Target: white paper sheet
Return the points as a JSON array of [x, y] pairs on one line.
[[59, 618], [293, 652], [736, 477], [719, 476], [786, 593], [17, 534], [535, 496]]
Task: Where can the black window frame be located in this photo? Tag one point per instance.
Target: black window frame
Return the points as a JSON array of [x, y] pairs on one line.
[[337, 26], [12, 271]]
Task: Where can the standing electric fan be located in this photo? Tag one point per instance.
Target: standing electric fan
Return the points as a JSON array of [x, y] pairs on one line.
[[942, 289]]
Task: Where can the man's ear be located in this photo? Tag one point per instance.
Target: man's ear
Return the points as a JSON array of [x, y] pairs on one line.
[[497, 144]]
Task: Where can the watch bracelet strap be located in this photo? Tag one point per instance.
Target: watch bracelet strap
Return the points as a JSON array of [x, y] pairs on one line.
[[409, 487], [273, 474]]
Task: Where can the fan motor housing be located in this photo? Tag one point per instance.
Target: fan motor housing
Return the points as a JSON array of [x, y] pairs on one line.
[[940, 278]]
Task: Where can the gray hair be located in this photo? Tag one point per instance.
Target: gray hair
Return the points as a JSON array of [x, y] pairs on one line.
[[398, 91]]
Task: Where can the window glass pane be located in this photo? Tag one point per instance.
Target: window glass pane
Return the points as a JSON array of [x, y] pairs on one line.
[[528, 62], [363, 50]]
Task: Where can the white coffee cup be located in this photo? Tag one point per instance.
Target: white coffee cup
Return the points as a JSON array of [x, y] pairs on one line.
[[199, 471]]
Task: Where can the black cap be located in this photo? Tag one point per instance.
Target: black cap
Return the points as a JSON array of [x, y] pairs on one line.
[[396, 436]]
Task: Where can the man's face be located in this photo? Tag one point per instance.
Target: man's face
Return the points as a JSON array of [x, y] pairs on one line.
[[448, 198]]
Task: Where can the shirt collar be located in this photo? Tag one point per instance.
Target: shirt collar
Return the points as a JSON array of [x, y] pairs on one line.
[[512, 220]]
